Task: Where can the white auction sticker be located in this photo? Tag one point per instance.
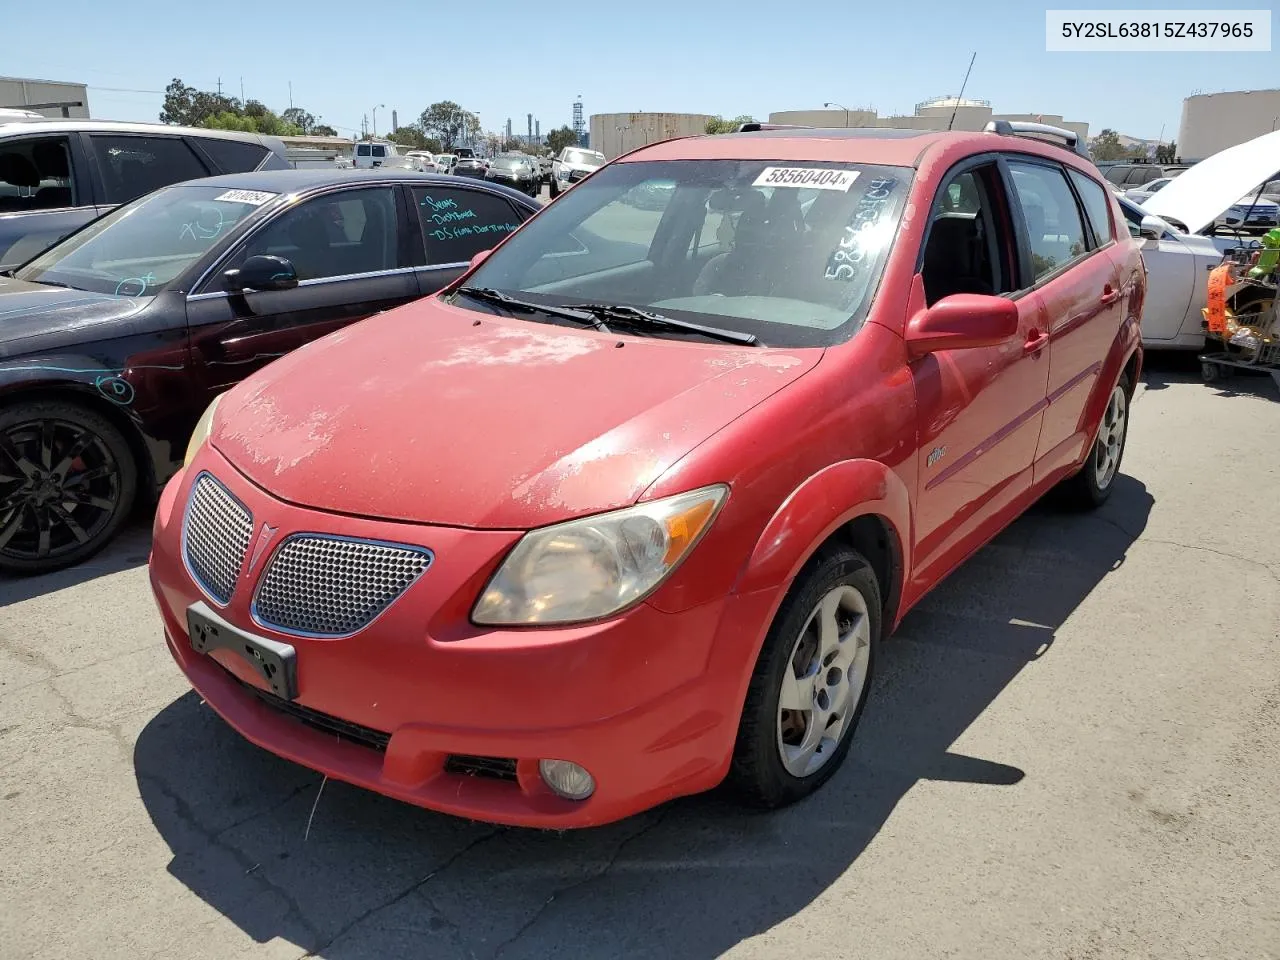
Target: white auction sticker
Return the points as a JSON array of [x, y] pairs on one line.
[[255, 197], [1158, 31], [809, 178]]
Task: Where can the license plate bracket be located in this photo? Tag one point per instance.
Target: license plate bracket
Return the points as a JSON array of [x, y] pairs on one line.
[[275, 662]]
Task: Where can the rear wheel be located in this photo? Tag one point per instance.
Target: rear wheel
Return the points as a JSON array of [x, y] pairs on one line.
[[67, 483], [1092, 485], [810, 682]]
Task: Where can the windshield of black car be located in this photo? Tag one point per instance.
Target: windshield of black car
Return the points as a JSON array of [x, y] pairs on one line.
[[790, 251], [508, 163], [139, 248]]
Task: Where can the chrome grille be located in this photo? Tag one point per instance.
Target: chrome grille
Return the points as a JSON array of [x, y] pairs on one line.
[[331, 586], [215, 537]]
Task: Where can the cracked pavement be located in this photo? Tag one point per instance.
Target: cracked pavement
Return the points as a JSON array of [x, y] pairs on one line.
[[1072, 751]]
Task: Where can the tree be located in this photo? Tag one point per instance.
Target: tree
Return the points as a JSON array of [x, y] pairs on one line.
[[1107, 146], [191, 107], [323, 130], [414, 137], [1167, 152], [557, 140], [718, 124], [300, 119], [449, 123]]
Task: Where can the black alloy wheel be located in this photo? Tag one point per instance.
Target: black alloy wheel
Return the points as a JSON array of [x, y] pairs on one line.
[[67, 483]]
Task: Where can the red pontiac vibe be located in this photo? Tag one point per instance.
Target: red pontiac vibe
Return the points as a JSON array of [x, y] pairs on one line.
[[629, 509]]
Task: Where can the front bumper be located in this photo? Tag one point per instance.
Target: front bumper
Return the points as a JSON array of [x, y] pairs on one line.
[[631, 699]]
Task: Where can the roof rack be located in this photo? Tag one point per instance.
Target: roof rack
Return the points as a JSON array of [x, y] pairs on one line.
[[1015, 128]]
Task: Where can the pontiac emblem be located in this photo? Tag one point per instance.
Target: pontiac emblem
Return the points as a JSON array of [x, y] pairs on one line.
[[264, 538]]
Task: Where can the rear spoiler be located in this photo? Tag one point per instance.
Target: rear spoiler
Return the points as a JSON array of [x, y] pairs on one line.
[[1038, 131]]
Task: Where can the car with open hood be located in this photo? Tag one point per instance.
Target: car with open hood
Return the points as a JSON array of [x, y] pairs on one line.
[[1204, 195], [114, 341], [630, 507]]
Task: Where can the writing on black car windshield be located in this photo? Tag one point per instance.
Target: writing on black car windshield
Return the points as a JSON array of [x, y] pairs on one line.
[[137, 249], [790, 252]]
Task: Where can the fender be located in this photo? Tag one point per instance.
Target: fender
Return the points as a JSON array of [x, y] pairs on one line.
[[823, 503], [1126, 346]]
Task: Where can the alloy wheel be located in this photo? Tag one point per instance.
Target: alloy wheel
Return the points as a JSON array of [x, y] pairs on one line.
[[1110, 443], [60, 486], [823, 681]]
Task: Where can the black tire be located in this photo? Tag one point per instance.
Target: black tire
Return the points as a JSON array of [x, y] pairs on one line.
[[555, 188], [757, 773], [1084, 489], [1210, 371], [59, 508]]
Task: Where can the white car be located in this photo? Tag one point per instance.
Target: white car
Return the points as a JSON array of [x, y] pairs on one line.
[[1176, 226], [374, 154], [573, 164], [445, 162], [1144, 193]]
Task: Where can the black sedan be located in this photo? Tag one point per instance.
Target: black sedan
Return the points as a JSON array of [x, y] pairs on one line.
[[115, 340], [518, 172]]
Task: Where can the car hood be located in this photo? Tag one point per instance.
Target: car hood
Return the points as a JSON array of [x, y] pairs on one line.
[[27, 309], [436, 414], [1200, 194]]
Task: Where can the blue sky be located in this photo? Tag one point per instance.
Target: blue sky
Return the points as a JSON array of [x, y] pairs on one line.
[[506, 58]]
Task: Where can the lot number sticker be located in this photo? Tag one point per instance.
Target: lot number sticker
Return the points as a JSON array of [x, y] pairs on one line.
[[807, 178], [255, 197]]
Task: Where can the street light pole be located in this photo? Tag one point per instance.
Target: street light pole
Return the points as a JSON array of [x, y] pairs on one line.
[[375, 118], [842, 107]]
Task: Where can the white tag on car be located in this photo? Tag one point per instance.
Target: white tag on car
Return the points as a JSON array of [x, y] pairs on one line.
[[255, 197], [807, 178]]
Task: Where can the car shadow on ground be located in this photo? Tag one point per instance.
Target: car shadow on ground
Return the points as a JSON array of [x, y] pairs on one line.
[[348, 874], [130, 549], [1162, 368]]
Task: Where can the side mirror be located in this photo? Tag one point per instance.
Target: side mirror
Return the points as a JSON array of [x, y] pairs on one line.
[[261, 273], [960, 321], [478, 259], [1152, 228]]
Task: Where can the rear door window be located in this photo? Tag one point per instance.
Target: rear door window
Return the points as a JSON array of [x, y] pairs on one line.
[[1049, 212], [363, 150], [133, 166], [233, 156], [458, 224], [1096, 207]]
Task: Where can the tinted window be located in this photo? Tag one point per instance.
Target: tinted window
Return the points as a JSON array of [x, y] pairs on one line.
[[35, 174], [362, 150], [335, 235], [379, 151], [1096, 206], [458, 224], [234, 156], [1051, 216], [132, 166], [1116, 174], [1136, 177]]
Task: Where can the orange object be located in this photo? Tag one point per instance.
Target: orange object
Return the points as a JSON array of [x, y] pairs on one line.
[[1216, 312]]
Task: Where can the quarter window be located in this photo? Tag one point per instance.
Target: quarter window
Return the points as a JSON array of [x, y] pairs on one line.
[[233, 156], [1050, 215], [1096, 206], [132, 166], [35, 174], [458, 224], [334, 235]]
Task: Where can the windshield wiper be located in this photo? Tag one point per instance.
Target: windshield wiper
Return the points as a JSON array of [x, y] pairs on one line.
[[490, 295], [622, 313]]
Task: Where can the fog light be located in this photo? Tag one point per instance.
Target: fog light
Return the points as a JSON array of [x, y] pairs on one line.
[[567, 779]]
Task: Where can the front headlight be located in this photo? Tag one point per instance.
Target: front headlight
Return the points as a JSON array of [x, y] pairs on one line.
[[594, 567], [201, 433]]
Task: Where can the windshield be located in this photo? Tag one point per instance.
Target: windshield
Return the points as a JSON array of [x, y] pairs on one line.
[[508, 163], [584, 158], [788, 251], [137, 249]]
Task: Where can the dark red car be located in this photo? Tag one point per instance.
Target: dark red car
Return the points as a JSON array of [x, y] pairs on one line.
[[628, 509]]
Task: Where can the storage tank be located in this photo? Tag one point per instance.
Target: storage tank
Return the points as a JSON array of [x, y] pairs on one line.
[[1214, 121], [613, 134]]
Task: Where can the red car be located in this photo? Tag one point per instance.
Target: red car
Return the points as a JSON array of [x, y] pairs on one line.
[[629, 508]]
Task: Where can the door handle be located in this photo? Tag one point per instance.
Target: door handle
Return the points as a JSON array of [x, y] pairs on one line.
[[1109, 296], [1035, 342]]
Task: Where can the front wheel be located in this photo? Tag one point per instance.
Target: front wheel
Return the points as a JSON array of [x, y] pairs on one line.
[[67, 483], [1093, 484], [810, 683]]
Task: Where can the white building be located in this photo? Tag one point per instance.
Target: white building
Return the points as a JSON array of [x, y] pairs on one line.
[[51, 98], [1215, 121], [935, 114]]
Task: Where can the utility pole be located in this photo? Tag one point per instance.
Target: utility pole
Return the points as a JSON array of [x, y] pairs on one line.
[[242, 91], [290, 94], [219, 86]]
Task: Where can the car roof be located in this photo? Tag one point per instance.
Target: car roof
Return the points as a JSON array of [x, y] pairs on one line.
[[879, 145], [59, 125], [313, 178]]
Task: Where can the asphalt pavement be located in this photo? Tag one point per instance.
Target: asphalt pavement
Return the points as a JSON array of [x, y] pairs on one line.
[[1072, 751]]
